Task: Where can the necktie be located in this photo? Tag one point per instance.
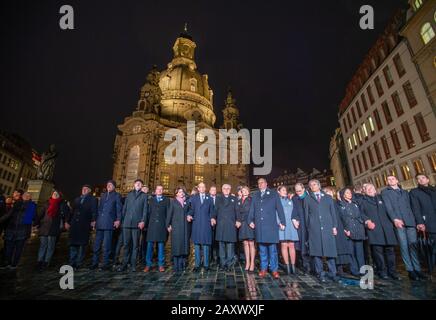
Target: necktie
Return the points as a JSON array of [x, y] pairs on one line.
[[318, 197], [202, 198], [262, 193]]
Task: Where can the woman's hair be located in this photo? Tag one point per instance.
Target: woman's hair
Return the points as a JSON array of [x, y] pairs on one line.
[[178, 189], [279, 188]]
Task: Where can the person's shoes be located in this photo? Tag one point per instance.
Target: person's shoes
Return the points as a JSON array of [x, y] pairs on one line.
[[335, 278], [133, 269], [161, 269], [262, 273], [288, 269], [395, 276], [421, 275], [413, 276], [206, 269], [322, 279], [93, 266], [275, 275], [196, 269], [106, 268], [41, 266], [383, 276], [122, 268], [146, 269]]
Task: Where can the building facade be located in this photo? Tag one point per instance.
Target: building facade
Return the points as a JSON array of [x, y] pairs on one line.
[[167, 101], [289, 179], [18, 162], [420, 32], [386, 116], [338, 160]]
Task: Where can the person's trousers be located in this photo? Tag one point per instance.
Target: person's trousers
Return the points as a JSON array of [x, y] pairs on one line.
[[384, 259], [143, 249], [160, 253], [319, 268], [13, 251], [432, 236], [408, 246], [226, 253], [77, 254], [268, 256], [117, 246], [131, 243], [46, 248], [102, 238], [179, 263], [197, 253], [357, 256]]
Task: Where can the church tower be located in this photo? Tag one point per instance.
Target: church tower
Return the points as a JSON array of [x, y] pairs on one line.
[[231, 113]]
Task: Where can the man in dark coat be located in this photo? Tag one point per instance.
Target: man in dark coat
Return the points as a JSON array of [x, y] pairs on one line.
[[158, 208], [134, 216], [201, 215], [381, 233], [79, 222], [397, 202], [18, 229], [107, 218], [264, 210], [226, 214], [320, 216], [423, 201], [298, 219], [214, 248]]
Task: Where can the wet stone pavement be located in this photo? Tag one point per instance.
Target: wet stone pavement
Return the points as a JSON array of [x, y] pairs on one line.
[[27, 283]]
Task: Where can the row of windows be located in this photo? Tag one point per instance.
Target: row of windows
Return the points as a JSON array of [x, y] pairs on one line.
[[9, 161], [369, 125], [7, 175], [372, 156], [405, 171]]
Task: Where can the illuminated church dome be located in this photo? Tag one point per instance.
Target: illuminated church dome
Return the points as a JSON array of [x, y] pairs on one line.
[[186, 94]]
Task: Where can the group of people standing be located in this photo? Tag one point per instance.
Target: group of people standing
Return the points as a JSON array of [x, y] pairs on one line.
[[345, 229]]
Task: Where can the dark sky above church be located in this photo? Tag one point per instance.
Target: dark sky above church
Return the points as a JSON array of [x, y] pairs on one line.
[[288, 63]]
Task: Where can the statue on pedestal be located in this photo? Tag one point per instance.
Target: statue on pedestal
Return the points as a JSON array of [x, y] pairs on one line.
[[47, 165]]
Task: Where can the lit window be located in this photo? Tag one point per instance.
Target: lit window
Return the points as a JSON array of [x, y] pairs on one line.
[[200, 137], [199, 166], [419, 166], [136, 129], [418, 4], [350, 144], [365, 130], [405, 170], [427, 32], [193, 85], [371, 124], [165, 180], [355, 139], [432, 161], [198, 179]]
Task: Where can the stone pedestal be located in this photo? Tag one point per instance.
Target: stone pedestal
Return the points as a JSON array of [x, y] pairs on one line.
[[40, 190]]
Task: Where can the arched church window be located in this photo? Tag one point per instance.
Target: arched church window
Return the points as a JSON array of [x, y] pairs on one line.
[[136, 129], [193, 83], [427, 32], [132, 166]]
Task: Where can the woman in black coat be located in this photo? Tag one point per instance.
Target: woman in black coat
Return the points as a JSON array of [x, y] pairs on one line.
[[342, 242], [49, 227], [381, 233], [246, 234], [178, 227], [354, 229]]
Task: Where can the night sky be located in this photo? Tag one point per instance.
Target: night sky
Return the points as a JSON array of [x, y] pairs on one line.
[[288, 63]]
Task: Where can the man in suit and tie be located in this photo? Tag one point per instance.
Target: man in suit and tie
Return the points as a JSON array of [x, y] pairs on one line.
[[262, 217], [134, 215], [320, 216], [214, 254], [201, 216]]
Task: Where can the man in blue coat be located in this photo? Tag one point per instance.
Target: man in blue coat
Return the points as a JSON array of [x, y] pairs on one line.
[[262, 217], [201, 214], [107, 218], [397, 202]]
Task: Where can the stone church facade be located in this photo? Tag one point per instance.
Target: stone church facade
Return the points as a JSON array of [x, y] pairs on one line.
[[168, 100]]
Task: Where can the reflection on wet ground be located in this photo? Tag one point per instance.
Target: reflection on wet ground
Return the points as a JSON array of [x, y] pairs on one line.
[[27, 283]]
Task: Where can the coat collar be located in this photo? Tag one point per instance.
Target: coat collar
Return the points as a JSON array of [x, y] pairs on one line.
[[312, 194]]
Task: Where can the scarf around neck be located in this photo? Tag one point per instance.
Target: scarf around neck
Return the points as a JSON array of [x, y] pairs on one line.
[[53, 207]]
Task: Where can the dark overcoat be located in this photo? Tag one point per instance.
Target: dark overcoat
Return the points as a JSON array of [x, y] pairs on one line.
[[157, 219], [180, 227], [109, 210], [134, 209], [373, 208], [16, 227], [397, 204], [264, 211], [226, 214], [423, 201], [342, 242], [298, 214], [80, 218], [320, 220], [352, 219], [202, 214], [245, 232]]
